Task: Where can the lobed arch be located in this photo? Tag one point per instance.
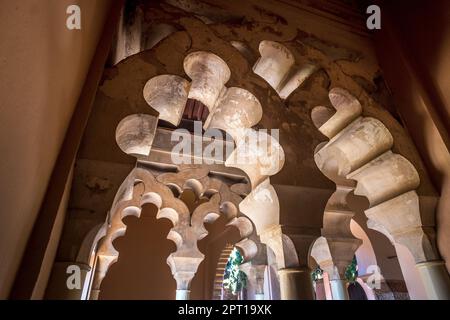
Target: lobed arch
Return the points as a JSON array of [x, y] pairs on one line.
[[359, 159], [217, 289], [365, 254], [140, 188], [233, 110], [277, 67]]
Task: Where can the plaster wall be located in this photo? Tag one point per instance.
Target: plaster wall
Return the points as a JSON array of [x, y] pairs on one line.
[[43, 66], [413, 48]]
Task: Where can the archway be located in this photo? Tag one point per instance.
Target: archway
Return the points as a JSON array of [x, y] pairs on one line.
[[359, 159], [141, 272], [135, 134]]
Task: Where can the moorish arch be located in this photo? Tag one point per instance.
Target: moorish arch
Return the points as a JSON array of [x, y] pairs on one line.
[[160, 131], [278, 67], [233, 110], [140, 188], [218, 287], [334, 260], [366, 261], [359, 159]]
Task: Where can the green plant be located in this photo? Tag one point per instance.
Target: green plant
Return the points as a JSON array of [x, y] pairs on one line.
[[317, 274], [351, 273], [234, 279]]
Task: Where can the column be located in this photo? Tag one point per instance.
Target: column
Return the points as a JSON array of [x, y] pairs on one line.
[[182, 294], [339, 289], [435, 278], [255, 276], [296, 284]]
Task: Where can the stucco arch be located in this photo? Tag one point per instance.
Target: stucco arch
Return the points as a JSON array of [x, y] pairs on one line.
[[235, 111], [140, 188], [359, 159], [277, 66]]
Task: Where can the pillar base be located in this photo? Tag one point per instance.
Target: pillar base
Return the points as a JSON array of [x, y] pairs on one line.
[[435, 279], [296, 284], [183, 294], [259, 296]]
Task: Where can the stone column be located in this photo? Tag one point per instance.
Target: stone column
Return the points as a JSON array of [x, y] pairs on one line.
[[319, 288], [338, 283], [327, 286], [290, 246], [339, 289], [296, 284], [435, 278], [183, 267], [183, 280], [255, 276], [182, 294], [333, 256]]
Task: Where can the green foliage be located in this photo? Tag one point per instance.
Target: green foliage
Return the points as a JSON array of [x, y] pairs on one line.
[[234, 279], [351, 273], [317, 274]]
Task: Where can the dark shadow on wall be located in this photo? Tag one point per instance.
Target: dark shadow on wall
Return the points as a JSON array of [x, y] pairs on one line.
[[141, 272], [356, 292]]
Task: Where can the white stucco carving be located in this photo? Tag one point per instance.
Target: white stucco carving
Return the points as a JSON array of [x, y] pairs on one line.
[[384, 177], [135, 134], [167, 94], [347, 108], [359, 151], [208, 73], [236, 109], [276, 66]]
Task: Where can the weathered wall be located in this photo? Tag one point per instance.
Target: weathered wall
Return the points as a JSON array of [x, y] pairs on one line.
[[413, 47], [142, 271], [43, 67]]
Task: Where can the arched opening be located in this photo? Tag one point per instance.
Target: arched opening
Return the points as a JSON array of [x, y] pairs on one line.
[[414, 285], [230, 282], [365, 255], [141, 271], [217, 247], [218, 289], [356, 291]]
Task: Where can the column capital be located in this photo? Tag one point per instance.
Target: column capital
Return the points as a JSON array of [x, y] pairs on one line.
[[290, 244], [334, 255]]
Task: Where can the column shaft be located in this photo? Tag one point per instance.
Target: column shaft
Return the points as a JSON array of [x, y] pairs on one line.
[[296, 284], [182, 294], [259, 296], [436, 279], [339, 289]]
